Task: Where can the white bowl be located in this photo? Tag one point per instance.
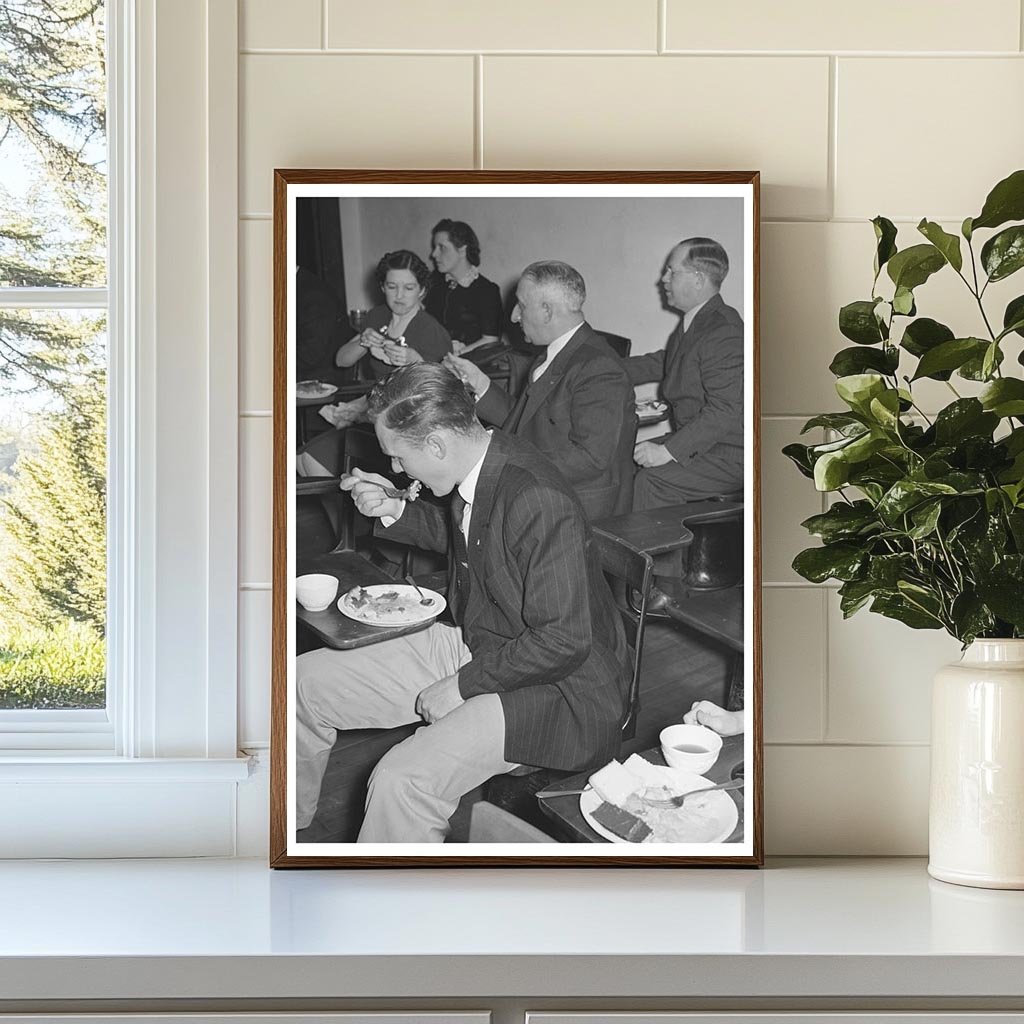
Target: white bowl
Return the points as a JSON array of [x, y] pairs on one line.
[[694, 748], [315, 591]]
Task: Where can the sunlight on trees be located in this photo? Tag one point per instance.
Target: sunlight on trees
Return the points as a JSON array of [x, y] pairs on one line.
[[53, 213]]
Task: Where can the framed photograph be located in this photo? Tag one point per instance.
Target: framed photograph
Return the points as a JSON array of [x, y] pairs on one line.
[[516, 609]]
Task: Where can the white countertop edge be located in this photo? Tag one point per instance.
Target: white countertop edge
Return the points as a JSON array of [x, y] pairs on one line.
[[704, 976]]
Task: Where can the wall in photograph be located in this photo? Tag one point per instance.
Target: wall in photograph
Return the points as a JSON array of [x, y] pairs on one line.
[[619, 246], [798, 90]]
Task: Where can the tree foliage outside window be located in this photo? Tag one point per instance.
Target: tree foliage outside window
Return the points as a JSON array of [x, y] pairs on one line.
[[53, 216]]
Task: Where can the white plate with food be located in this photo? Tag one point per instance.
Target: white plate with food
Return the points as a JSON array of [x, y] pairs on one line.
[[391, 604], [620, 807], [314, 389]]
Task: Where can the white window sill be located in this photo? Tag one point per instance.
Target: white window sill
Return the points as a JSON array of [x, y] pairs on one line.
[[74, 766]]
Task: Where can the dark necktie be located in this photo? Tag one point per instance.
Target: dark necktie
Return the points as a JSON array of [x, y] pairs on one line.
[[458, 589]]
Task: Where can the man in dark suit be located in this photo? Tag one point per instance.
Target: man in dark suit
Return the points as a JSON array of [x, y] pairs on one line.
[[701, 376], [578, 406], [534, 671]]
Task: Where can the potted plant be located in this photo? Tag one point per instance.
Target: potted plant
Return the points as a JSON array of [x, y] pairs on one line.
[[927, 521]]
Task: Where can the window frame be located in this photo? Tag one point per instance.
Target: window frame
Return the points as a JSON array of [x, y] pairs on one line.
[[172, 504]]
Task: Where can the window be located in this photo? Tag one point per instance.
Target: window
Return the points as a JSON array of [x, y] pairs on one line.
[[53, 369], [155, 771]]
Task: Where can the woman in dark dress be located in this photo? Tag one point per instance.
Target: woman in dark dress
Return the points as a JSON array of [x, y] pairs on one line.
[[398, 332], [461, 298]]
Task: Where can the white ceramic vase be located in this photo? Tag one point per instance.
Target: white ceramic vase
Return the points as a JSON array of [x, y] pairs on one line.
[[976, 814]]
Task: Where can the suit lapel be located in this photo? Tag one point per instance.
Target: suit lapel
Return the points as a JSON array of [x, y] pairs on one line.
[[538, 392]]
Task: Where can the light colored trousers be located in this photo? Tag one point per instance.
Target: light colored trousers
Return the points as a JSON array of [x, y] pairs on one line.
[[416, 785]]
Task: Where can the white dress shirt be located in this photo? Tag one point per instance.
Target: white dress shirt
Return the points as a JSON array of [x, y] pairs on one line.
[[468, 490], [554, 348], [688, 317]]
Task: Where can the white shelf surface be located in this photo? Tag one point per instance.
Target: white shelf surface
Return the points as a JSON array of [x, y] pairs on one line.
[[233, 929]]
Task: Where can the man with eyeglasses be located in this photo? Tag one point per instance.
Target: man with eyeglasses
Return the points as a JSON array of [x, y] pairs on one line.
[[700, 372]]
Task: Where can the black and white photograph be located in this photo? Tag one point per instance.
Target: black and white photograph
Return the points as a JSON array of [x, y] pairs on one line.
[[516, 574]]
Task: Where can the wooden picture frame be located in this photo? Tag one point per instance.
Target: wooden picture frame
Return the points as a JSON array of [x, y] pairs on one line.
[[620, 230]]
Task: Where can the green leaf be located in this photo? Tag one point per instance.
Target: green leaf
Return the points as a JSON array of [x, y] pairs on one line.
[[950, 355], [965, 229], [912, 267], [903, 302], [858, 389], [991, 360], [842, 521], [1004, 397], [897, 607], [971, 618], [1005, 202], [947, 244], [964, 418], [841, 421], [923, 335], [974, 368], [831, 471], [857, 321], [885, 410], [799, 455], [885, 236], [904, 495], [855, 594], [925, 518], [1003, 254], [1006, 599], [850, 361], [887, 570], [1013, 317], [840, 561]]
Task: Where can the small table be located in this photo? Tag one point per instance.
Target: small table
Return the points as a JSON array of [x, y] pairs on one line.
[[333, 628], [660, 530], [571, 827], [717, 614], [345, 392]]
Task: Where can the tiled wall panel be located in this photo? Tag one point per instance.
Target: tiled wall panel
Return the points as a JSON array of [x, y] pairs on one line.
[[872, 25], [470, 25], [957, 128], [647, 112], [838, 139], [794, 663], [255, 325], [254, 666], [360, 111], [255, 512], [879, 677], [260, 25], [846, 800]]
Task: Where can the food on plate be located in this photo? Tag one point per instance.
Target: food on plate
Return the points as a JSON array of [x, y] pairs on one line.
[[390, 602], [634, 788], [314, 389], [613, 783], [622, 823], [649, 405]]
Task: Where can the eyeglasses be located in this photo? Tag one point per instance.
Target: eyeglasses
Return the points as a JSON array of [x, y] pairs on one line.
[[672, 271]]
